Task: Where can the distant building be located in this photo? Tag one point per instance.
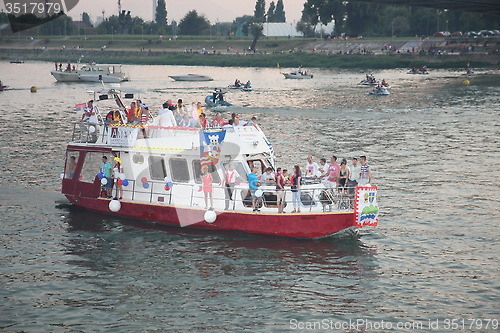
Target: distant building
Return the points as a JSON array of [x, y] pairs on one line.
[[290, 29], [281, 30]]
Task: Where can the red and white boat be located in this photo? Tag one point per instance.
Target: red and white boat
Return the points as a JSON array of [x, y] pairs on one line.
[[161, 181]]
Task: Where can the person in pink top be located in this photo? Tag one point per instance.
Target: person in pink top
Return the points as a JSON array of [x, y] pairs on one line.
[[333, 174], [207, 187]]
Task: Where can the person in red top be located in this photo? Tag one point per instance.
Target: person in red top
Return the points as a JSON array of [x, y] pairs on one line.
[[280, 191], [131, 113], [333, 174], [207, 180], [218, 121], [202, 121]]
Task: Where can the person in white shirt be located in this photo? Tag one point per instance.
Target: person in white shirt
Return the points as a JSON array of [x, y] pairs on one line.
[[268, 177], [166, 117], [311, 167], [322, 168], [230, 179]]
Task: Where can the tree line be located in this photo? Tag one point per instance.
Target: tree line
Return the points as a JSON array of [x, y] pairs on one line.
[[351, 18]]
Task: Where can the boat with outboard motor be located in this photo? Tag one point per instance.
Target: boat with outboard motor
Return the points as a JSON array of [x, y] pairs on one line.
[[91, 73], [173, 175], [298, 75]]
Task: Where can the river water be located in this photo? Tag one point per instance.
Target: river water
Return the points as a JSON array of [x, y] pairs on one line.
[[433, 145]]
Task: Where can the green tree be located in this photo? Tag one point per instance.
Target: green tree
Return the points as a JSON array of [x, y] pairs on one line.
[[243, 22], [125, 21], [59, 26], [279, 13], [260, 11], [256, 31], [194, 24], [271, 13], [86, 18], [109, 26], [326, 11], [161, 14]]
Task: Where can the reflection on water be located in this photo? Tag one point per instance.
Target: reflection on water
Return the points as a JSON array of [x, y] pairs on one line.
[[432, 143]]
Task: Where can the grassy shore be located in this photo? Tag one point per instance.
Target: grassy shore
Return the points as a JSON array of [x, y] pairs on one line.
[[311, 53]]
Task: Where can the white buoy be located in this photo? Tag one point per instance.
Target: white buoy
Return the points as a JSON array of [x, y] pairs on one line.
[[259, 193], [91, 129], [210, 216], [114, 205], [104, 181]]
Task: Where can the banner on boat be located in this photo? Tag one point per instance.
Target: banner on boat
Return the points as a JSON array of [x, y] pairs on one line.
[[210, 146], [366, 207], [122, 136]]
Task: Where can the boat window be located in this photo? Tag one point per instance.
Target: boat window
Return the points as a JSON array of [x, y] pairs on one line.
[[138, 158], [71, 161], [238, 166], [197, 172], [258, 164], [157, 168], [179, 169], [91, 166]]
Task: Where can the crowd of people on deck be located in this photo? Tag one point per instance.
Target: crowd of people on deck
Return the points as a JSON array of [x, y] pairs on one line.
[[342, 178], [170, 115]]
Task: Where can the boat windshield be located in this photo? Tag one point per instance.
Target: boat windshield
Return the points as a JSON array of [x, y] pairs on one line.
[[238, 166]]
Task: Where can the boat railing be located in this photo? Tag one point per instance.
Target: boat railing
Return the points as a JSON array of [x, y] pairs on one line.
[[84, 132], [192, 195]]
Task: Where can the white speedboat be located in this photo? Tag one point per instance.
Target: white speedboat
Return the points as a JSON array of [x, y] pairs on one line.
[[92, 73], [298, 75], [191, 77]]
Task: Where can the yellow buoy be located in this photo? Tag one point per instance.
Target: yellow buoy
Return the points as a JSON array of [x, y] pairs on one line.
[[33, 89], [466, 82]]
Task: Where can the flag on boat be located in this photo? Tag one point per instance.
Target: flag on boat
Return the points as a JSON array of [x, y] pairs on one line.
[[366, 206], [80, 107], [210, 146]]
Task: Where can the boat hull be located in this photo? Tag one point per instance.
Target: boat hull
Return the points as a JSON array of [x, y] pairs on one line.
[[297, 76], [190, 77], [76, 77], [310, 226]]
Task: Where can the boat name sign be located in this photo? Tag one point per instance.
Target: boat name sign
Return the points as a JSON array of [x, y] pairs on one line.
[[122, 136]]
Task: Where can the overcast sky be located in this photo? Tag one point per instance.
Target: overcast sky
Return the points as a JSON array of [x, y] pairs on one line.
[[221, 10]]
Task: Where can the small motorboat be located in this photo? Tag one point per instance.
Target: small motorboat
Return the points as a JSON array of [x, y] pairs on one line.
[[17, 61], [209, 100], [92, 73], [421, 70], [298, 75], [190, 77], [244, 87], [379, 91], [369, 83]]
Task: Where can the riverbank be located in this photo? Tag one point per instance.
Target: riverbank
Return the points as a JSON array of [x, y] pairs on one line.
[[312, 53]]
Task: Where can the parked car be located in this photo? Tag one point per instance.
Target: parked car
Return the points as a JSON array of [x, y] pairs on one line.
[[440, 34], [457, 33], [471, 34], [486, 33]]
